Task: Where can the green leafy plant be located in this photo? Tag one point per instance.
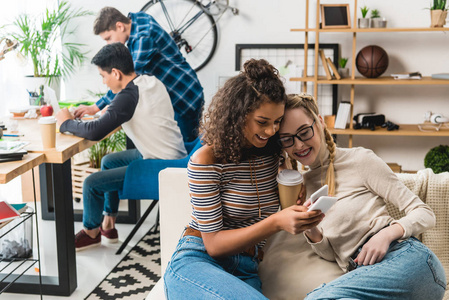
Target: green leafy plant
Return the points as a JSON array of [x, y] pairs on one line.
[[439, 4], [438, 159], [40, 37], [342, 62], [375, 13], [364, 10], [114, 143]]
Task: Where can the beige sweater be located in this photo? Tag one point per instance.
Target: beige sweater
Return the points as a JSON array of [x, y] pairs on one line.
[[364, 184]]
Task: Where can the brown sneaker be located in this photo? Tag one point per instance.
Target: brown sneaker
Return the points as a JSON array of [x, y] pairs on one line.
[[83, 241], [111, 235]]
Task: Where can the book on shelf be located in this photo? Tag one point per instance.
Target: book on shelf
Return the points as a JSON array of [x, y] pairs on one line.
[[333, 68], [325, 66], [412, 75], [344, 110], [440, 76]]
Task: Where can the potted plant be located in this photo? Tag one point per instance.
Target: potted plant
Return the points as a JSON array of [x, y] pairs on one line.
[[44, 40], [342, 70], [438, 159], [364, 21], [438, 13], [376, 21]]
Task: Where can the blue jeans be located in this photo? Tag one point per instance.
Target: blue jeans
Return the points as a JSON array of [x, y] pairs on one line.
[[193, 274], [100, 189], [409, 271]]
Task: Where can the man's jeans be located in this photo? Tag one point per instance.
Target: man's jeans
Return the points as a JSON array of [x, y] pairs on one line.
[[193, 274], [409, 271], [100, 189]]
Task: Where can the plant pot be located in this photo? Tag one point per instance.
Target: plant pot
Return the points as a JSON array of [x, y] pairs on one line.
[[32, 84], [344, 72], [363, 22], [378, 23], [438, 18]]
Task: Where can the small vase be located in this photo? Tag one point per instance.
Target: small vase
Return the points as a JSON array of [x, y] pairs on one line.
[[438, 18], [344, 72], [363, 22], [378, 23]]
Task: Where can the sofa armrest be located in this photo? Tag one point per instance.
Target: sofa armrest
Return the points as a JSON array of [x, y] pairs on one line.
[[174, 210]]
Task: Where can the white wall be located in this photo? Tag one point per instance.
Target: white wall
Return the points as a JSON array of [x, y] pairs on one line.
[[270, 21]]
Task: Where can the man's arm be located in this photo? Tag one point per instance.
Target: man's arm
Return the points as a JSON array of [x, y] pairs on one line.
[[83, 110], [120, 111]]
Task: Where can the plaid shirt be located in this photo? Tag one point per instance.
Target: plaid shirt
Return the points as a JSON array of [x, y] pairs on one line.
[[155, 53]]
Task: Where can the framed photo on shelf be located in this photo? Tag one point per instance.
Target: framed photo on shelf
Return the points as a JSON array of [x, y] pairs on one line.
[[335, 16], [289, 60]]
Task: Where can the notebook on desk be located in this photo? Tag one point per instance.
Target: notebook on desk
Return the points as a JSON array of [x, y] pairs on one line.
[[12, 156]]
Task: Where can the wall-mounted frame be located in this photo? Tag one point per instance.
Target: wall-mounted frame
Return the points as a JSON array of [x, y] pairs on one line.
[[335, 16], [289, 60]]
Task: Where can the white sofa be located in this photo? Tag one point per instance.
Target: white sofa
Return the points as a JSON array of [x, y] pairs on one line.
[[290, 268]]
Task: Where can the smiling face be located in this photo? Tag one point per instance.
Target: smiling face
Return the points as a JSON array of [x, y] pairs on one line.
[[295, 122], [263, 123]]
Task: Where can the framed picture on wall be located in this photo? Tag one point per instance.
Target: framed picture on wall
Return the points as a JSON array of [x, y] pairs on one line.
[[335, 16], [289, 60]]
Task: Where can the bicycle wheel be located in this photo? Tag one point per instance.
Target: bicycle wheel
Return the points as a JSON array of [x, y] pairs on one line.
[[193, 30]]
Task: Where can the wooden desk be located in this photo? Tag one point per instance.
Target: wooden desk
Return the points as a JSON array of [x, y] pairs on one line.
[[56, 202], [55, 184], [12, 169]]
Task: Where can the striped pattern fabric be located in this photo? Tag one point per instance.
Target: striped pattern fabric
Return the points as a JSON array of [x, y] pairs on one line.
[[155, 53], [225, 196]]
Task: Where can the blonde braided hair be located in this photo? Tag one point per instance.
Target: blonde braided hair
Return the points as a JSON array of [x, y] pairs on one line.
[[308, 104]]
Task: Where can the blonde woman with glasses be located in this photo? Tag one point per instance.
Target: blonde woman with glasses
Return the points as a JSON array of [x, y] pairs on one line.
[[381, 256]]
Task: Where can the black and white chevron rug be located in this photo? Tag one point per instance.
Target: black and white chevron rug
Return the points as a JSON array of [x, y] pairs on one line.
[[135, 275]]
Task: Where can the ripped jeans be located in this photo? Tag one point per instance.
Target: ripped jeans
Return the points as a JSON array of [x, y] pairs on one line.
[[409, 271]]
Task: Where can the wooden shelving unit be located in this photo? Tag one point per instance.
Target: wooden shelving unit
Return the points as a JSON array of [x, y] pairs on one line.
[[405, 129]]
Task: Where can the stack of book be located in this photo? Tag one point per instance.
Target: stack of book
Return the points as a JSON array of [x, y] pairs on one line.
[[12, 150], [9, 212]]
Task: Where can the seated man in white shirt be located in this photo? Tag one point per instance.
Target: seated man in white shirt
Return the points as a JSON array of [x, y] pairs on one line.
[[143, 108]]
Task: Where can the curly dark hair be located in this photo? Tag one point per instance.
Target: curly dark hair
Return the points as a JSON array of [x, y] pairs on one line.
[[223, 122]]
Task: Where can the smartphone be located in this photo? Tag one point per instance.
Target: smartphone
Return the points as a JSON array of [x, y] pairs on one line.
[[323, 191], [323, 203]]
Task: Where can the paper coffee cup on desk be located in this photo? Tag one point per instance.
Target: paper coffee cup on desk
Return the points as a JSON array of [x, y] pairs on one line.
[[290, 184], [48, 131]]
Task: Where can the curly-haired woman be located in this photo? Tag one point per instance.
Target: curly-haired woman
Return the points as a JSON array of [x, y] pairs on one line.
[[382, 258], [233, 188]]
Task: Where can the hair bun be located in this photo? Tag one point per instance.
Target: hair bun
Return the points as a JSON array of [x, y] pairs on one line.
[[257, 70]]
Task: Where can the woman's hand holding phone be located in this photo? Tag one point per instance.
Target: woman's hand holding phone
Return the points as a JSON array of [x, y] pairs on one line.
[[295, 219]]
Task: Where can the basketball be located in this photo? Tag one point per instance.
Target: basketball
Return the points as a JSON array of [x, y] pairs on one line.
[[372, 61]]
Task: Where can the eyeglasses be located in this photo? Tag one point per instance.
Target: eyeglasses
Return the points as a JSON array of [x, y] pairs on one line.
[[304, 135]]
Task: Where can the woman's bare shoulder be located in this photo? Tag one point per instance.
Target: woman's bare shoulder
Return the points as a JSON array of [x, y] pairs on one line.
[[204, 156]]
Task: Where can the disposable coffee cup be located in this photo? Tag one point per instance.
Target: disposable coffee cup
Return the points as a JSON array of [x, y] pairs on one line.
[[48, 131], [290, 184]]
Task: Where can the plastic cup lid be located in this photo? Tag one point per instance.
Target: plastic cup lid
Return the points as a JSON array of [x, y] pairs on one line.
[[47, 120], [289, 177]]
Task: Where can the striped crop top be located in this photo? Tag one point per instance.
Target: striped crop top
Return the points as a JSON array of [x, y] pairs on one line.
[[229, 196]]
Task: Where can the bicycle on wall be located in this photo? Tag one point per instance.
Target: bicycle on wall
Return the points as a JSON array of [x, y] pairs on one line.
[[192, 24]]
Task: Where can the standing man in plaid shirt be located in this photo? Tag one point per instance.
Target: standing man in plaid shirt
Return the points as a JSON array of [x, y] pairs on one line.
[[154, 52]]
